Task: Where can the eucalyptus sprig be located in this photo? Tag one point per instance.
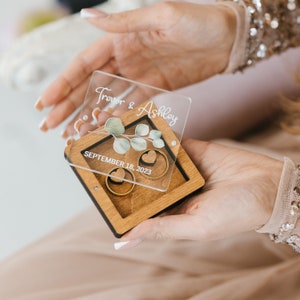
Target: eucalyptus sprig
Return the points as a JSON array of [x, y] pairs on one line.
[[123, 142]]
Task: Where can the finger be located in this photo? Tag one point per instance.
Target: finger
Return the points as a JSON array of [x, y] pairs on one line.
[[116, 94], [143, 19], [96, 56], [196, 149], [63, 109], [99, 118], [98, 113], [136, 97], [117, 103], [82, 128], [168, 227]]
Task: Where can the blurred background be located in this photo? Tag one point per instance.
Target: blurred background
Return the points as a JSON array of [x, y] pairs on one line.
[[38, 190]]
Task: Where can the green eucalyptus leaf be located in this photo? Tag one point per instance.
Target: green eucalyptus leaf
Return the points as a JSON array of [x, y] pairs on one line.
[[139, 144], [158, 143], [155, 134], [114, 126], [142, 130], [121, 145]]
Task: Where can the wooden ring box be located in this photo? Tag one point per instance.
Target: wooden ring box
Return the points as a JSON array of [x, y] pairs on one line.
[[123, 212]]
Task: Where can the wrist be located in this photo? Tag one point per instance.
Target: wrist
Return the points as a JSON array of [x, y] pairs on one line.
[[283, 226], [273, 177], [227, 20], [237, 55]]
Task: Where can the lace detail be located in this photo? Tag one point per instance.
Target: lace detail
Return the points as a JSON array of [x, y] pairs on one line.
[[286, 232], [284, 224], [273, 27]]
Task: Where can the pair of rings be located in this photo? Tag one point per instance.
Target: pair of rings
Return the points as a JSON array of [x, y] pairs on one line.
[[152, 164]]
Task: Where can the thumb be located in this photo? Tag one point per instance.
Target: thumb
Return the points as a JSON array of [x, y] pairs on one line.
[[142, 19], [163, 228]]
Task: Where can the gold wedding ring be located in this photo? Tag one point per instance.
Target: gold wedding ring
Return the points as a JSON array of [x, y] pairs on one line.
[[120, 186], [158, 168]]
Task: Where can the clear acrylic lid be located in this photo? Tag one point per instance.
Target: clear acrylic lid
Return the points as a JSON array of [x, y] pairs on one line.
[[128, 131]]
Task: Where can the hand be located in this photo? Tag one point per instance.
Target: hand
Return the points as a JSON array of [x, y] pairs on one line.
[[238, 196], [168, 45]]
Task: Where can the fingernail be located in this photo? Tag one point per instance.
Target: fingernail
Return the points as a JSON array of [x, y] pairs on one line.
[[38, 105], [95, 113], [43, 126], [64, 134], [92, 13], [77, 125], [69, 141], [127, 244], [103, 117]]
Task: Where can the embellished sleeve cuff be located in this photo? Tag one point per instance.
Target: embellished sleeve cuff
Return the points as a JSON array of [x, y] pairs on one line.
[[264, 28], [284, 225]]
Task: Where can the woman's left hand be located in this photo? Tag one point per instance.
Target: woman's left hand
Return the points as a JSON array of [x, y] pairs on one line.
[[168, 45]]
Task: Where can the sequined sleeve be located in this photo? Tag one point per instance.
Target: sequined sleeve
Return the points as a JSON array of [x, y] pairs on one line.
[[264, 28]]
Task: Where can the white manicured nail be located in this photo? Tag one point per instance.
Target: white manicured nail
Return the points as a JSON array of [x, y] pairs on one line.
[[38, 105], [127, 244], [43, 126], [95, 114], [120, 245], [77, 125], [92, 13]]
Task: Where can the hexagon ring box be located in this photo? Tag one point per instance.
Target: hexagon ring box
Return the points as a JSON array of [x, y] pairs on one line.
[[126, 150]]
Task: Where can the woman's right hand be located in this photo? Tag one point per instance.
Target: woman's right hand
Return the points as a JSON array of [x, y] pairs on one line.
[[238, 196], [168, 45]]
